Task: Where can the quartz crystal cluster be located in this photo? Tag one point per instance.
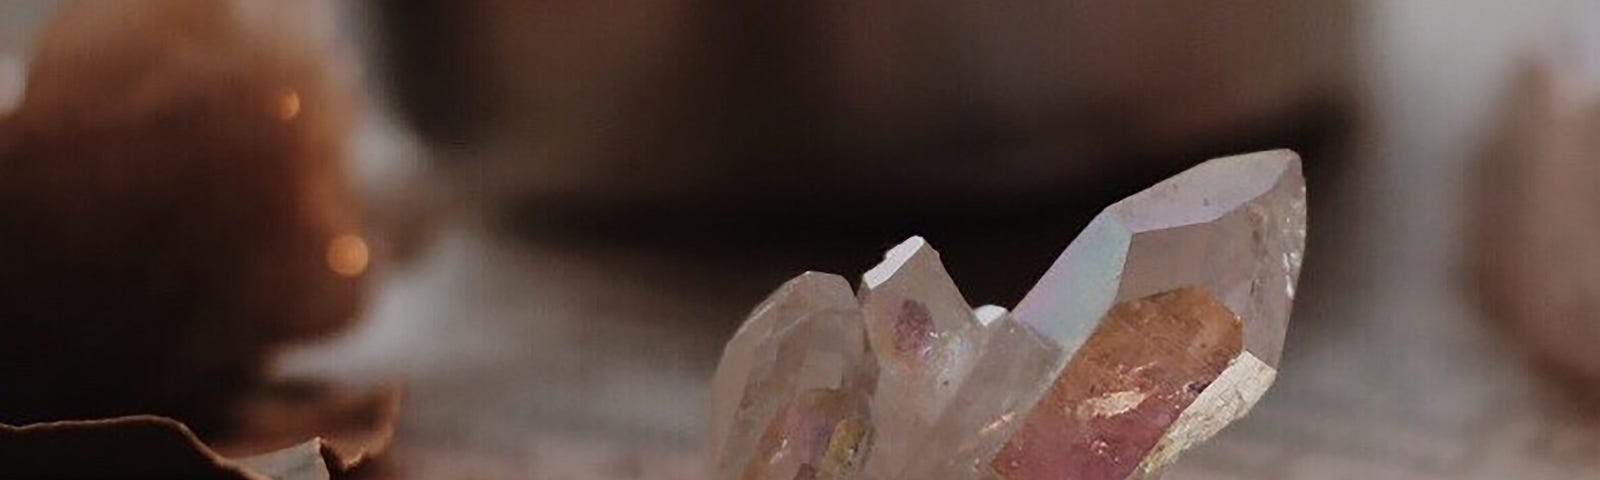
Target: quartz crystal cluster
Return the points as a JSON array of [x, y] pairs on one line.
[[1160, 324]]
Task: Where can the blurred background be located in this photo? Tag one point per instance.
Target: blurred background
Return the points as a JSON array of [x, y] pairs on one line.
[[545, 217]]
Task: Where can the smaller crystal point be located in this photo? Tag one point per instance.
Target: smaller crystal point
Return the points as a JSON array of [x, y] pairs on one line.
[[925, 338], [807, 334], [912, 272], [822, 351]]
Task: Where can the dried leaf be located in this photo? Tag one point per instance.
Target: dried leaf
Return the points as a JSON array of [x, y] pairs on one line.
[[345, 431], [140, 446]]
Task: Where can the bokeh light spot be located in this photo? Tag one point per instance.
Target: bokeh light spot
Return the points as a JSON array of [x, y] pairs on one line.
[[348, 255], [287, 105]]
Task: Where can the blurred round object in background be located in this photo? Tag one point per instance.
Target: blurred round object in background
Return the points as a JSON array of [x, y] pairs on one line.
[[1538, 220], [173, 206], [882, 105]]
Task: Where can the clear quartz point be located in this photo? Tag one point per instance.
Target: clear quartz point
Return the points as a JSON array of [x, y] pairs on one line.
[[806, 336], [925, 338], [1159, 325], [1228, 235]]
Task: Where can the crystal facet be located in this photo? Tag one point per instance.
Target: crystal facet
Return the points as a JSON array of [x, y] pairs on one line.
[[1159, 325], [806, 336], [924, 336], [1143, 366], [822, 434]]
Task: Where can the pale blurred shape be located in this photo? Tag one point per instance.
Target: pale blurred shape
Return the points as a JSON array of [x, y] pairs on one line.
[[13, 77]]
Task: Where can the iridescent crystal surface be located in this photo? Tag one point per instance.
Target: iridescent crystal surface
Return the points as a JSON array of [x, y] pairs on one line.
[[1145, 364], [807, 337], [1159, 325]]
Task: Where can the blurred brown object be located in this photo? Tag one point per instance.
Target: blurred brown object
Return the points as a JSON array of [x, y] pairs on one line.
[[1538, 220], [882, 104], [173, 206]]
